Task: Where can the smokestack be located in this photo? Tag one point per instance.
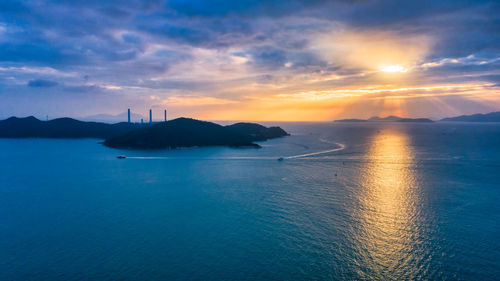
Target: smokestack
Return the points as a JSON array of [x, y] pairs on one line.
[[129, 115], [150, 116], [165, 115]]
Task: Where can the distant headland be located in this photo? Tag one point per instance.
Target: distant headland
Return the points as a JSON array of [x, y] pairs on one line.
[[388, 119], [487, 117], [180, 132]]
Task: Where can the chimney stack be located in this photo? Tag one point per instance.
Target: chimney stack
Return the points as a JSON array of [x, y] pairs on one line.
[[129, 115], [165, 115], [150, 116]]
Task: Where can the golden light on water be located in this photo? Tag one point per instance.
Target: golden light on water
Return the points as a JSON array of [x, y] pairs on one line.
[[388, 208]]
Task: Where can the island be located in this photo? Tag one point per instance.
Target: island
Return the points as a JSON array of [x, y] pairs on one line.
[[388, 119], [181, 132], [187, 132], [488, 117]]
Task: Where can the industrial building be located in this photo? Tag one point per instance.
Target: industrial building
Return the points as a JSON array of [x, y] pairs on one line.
[[150, 116]]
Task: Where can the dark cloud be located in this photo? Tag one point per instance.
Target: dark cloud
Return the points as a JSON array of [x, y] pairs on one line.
[[12, 9], [267, 57], [37, 53], [84, 89], [183, 34], [247, 8], [306, 59], [40, 83], [139, 43], [83, 30], [116, 12], [131, 38]]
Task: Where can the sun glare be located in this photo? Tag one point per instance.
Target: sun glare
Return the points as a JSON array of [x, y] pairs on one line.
[[393, 68]]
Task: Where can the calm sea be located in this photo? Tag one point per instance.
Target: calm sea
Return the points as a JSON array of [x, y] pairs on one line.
[[380, 202]]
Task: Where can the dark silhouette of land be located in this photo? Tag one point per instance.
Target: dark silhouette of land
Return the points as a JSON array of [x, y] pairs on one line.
[[181, 132], [27, 127], [488, 117], [388, 119], [186, 132]]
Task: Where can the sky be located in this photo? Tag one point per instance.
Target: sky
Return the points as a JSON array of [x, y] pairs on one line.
[[269, 60]]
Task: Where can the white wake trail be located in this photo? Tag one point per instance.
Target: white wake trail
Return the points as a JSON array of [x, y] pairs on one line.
[[202, 158], [341, 147]]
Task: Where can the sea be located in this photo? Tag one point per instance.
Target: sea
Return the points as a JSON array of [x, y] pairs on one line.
[[333, 201]]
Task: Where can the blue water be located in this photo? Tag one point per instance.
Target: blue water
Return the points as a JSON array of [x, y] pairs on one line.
[[398, 202]]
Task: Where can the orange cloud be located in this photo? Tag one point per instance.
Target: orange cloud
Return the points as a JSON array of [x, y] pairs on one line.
[[191, 100]]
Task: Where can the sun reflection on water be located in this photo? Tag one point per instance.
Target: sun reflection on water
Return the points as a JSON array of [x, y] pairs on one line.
[[388, 233]]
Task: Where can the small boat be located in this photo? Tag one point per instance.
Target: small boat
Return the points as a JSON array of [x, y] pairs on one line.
[[121, 156], [281, 159]]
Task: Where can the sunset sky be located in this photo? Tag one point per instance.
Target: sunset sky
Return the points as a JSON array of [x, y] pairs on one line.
[[250, 60]]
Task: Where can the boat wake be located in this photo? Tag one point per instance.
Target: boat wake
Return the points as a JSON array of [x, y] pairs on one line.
[[341, 147], [203, 158]]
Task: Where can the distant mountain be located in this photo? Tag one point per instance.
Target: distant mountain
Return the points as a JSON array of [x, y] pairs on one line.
[[14, 127], [388, 119], [108, 118], [351, 120], [186, 132], [385, 119], [415, 120], [488, 117]]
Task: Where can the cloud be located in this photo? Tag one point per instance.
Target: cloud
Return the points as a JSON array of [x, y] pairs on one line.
[[268, 57], [39, 83], [37, 53], [190, 100], [373, 50], [211, 53], [85, 89]]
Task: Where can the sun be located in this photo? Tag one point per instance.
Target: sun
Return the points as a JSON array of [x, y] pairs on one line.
[[393, 68]]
